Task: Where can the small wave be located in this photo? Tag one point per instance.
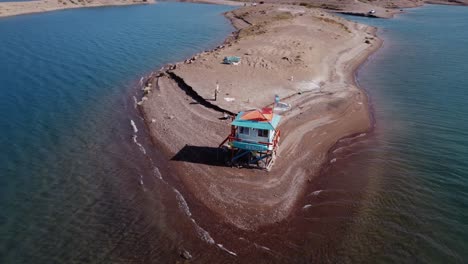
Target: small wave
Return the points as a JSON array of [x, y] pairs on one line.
[[225, 249], [182, 203], [203, 234], [135, 129], [138, 144], [338, 150], [141, 179], [315, 193], [141, 80], [261, 247], [306, 206], [135, 102], [157, 173]]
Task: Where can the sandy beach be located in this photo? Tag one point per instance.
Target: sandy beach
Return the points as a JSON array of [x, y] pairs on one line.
[[39, 6], [307, 57]]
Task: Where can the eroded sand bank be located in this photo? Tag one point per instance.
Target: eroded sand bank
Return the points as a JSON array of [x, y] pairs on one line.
[[319, 51]]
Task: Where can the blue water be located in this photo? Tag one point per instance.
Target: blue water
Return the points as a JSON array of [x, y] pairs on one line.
[[74, 187], [415, 163]]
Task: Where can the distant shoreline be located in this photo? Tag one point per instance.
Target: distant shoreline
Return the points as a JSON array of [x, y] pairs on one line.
[[8, 9]]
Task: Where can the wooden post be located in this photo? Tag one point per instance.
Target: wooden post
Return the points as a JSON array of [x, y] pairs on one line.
[[216, 91]]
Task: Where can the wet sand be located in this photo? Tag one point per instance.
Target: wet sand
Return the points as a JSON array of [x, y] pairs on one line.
[[28, 7], [319, 50]]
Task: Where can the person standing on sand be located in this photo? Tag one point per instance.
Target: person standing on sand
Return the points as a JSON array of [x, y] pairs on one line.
[[216, 91]]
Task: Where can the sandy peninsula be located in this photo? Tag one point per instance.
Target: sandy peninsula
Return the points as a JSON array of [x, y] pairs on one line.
[[301, 52], [304, 55], [28, 7]]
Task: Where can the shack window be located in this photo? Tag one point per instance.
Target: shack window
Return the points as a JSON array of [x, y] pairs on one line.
[[263, 133], [244, 130]]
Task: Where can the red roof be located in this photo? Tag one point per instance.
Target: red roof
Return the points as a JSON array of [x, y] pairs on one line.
[[265, 114]]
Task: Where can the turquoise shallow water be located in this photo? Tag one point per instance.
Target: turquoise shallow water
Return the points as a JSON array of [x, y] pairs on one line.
[[73, 185]]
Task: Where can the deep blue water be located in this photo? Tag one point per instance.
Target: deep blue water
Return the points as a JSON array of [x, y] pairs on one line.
[[416, 161], [73, 185]]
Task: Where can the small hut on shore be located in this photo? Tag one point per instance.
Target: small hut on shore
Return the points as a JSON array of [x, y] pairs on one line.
[[254, 138]]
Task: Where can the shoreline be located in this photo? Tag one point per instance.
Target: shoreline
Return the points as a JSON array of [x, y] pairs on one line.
[[251, 199], [9, 9], [283, 206]]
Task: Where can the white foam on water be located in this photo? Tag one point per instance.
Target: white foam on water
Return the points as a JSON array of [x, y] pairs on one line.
[[138, 144], [338, 149], [306, 206], [255, 244], [315, 193], [182, 203], [135, 102], [141, 179], [261, 247], [202, 233], [157, 173], [135, 129], [141, 80], [333, 160], [225, 249]]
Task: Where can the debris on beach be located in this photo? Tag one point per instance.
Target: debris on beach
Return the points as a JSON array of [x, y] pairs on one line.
[[147, 90], [231, 60]]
